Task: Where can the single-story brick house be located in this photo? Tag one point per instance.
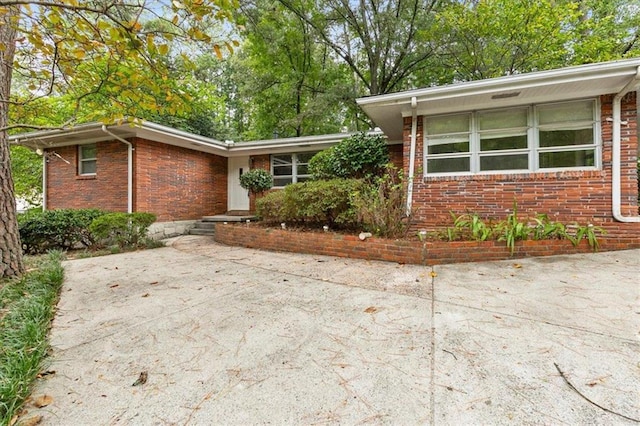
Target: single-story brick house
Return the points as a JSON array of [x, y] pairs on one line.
[[562, 142]]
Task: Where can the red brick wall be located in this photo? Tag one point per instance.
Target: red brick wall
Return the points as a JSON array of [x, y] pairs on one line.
[[401, 251], [395, 155], [106, 190], [172, 182], [583, 196], [178, 183]]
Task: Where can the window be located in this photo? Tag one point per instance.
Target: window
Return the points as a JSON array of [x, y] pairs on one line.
[[290, 168], [541, 137], [87, 159]]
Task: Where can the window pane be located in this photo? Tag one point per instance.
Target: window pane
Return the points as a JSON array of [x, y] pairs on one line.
[[585, 158], [282, 170], [504, 119], [497, 143], [281, 181], [447, 124], [448, 165], [504, 162], [303, 169], [281, 159], [305, 157], [551, 138], [88, 151], [448, 148], [88, 167], [571, 111]]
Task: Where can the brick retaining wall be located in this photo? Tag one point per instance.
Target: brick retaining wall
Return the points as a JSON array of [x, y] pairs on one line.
[[401, 251]]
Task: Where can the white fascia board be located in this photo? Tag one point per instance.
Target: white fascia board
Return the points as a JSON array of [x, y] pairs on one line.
[[295, 144], [512, 82], [148, 128]]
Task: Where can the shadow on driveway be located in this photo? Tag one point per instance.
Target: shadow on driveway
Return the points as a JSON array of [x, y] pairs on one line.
[[229, 335]]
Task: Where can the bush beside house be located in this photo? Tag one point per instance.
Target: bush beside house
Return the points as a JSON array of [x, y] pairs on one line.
[[66, 229]]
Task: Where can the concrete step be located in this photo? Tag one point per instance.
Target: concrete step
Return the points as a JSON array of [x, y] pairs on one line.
[[205, 225], [202, 231], [228, 218]]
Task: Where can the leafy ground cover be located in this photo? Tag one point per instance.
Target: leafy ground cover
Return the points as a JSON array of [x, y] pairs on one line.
[[27, 306]]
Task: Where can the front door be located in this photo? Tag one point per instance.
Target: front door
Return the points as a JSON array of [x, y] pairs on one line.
[[238, 197]]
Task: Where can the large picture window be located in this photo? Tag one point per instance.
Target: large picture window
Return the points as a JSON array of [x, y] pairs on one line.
[[87, 159], [539, 137], [290, 168]]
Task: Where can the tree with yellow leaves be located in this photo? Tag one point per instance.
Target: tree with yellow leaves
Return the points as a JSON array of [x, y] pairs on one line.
[[87, 48]]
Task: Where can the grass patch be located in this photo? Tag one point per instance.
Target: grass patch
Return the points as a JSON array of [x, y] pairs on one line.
[[27, 307]]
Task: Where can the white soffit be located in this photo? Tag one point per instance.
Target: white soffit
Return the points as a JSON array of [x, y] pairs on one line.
[[583, 81]]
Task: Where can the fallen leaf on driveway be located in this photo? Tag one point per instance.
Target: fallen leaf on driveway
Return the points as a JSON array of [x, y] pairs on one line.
[[114, 285], [371, 309], [433, 274], [46, 373], [145, 295], [31, 421], [43, 401], [517, 265], [142, 379]]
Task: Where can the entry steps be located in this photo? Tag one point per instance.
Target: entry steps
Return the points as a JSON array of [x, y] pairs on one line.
[[207, 225]]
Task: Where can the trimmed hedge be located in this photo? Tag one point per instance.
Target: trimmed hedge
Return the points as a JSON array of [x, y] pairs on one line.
[[122, 229], [324, 202], [41, 231], [65, 229]]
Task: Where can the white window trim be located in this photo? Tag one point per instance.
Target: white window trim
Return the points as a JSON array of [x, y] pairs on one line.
[[533, 148], [294, 168], [82, 160]]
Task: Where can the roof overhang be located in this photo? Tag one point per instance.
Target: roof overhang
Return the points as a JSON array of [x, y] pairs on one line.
[[581, 81], [98, 132]]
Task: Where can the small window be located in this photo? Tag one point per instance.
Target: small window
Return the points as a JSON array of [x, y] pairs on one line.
[[87, 159], [448, 143], [290, 168], [566, 135]]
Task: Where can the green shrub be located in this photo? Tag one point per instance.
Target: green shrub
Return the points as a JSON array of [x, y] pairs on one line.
[[323, 165], [381, 207], [122, 229], [358, 156], [41, 231], [256, 181], [326, 202]]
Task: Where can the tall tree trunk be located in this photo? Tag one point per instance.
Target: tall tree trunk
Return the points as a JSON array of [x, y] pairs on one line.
[[10, 248]]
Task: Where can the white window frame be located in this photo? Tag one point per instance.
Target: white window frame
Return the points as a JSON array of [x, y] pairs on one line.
[[295, 176], [533, 144], [83, 160]]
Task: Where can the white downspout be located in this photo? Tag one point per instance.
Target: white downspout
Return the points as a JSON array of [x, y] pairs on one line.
[[129, 167], [412, 153], [615, 165], [44, 182]]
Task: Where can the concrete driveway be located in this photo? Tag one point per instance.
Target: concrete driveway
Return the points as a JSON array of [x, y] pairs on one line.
[[229, 335]]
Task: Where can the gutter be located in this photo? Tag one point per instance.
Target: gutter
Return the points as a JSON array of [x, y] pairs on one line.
[[412, 153], [129, 167], [616, 196]]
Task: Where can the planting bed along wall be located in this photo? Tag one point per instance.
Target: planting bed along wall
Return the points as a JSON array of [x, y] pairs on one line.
[[401, 251]]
